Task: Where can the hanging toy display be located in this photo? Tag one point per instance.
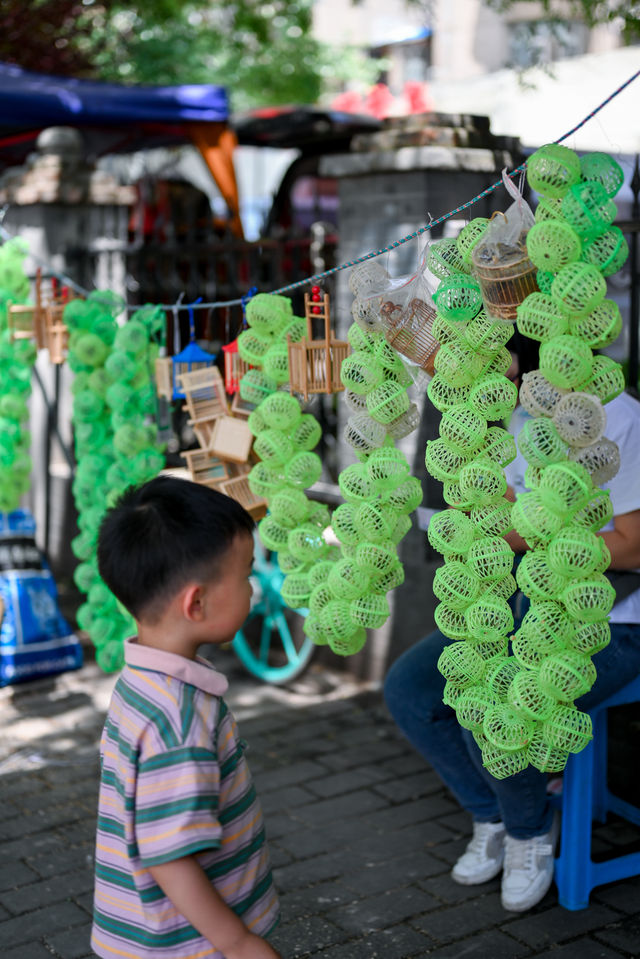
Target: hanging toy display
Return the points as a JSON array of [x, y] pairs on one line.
[[114, 406], [520, 706]]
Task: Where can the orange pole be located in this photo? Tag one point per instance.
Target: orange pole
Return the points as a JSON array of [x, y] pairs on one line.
[[216, 144]]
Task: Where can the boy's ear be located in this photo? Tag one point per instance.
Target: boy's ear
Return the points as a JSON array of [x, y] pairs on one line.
[[191, 602]]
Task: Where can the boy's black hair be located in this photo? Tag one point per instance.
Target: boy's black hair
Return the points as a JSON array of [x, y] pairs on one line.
[[160, 535]]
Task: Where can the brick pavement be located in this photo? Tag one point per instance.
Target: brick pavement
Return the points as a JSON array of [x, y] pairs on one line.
[[362, 834]]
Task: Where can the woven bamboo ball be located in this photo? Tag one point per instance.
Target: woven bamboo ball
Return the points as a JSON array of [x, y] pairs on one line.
[[538, 396], [580, 419], [482, 482], [605, 379], [458, 297], [540, 443], [600, 327], [566, 361], [450, 532], [444, 258], [493, 398], [469, 236], [443, 395], [589, 600], [607, 252], [540, 317], [579, 288], [601, 459], [588, 208], [461, 665], [280, 411], [567, 728], [553, 244], [604, 169], [456, 585], [537, 579]]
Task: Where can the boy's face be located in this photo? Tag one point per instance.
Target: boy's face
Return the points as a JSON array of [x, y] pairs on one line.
[[228, 597]]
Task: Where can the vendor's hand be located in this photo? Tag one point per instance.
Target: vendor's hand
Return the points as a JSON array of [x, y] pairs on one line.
[[252, 947]]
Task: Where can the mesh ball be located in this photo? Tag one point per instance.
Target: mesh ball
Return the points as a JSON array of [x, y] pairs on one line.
[[490, 649], [565, 487], [291, 564], [360, 339], [443, 395], [387, 468], [363, 434], [545, 758], [494, 519], [275, 363], [312, 627], [461, 665], [486, 334], [527, 696], [295, 590], [350, 645], [273, 447], [548, 209], [444, 258], [604, 169], [374, 523], [607, 252], [506, 727], [490, 557], [264, 480], [303, 469], [343, 523], [368, 277], [589, 600], [533, 520], [321, 595], [370, 610], [545, 629], [289, 507], [458, 297], [501, 763], [392, 365], [538, 396], [306, 434], [489, 618], [456, 364], [567, 675], [306, 543], [404, 424], [336, 620], [596, 511], [498, 447], [540, 317], [472, 705], [273, 535], [493, 398], [552, 169], [455, 585], [252, 348], [401, 527], [567, 728], [446, 331], [540, 444], [255, 386], [405, 497], [442, 461], [601, 460], [482, 482], [355, 483], [280, 411], [536, 578], [452, 495], [375, 559], [605, 380], [347, 580], [450, 531], [391, 579], [361, 372], [469, 236], [566, 361], [356, 402], [579, 419], [544, 280], [553, 244], [450, 621], [499, 674], [532, 476], [588, 209], [590, 638], [579, 288], [388, 401], [599, 328]]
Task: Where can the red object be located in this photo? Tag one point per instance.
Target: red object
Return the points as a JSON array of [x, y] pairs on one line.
[[231, 373], [315, 289], [316, 309]]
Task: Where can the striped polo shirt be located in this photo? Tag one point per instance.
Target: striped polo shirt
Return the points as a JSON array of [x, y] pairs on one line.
[[174, 783]]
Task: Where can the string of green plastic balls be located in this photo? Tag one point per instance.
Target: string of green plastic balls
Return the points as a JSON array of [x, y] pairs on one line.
[[343, 587], [115, 436], [17, 357], [519, 704]]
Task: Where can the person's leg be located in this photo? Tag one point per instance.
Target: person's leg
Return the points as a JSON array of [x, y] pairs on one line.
[[616, 664], [413, 692]]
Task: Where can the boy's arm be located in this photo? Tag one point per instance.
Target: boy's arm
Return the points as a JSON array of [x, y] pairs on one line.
[[186, 884]]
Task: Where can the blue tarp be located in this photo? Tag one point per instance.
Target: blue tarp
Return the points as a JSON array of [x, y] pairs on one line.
[[127, 116]]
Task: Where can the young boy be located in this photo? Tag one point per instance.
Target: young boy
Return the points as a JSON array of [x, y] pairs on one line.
[[182, 869]]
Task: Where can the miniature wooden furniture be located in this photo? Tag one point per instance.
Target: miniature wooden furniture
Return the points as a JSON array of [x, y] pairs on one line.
[[234, 367], [231, 439], [314, 365], [21, 321], [238, 489], [205, 468], [56, 332], [205, 401], [164, 377], [241, 408]]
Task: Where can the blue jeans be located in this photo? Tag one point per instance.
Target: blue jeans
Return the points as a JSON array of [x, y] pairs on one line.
[[413, 693]]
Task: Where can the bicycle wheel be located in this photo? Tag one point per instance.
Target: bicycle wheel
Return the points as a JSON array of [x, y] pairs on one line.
[[271, 644]]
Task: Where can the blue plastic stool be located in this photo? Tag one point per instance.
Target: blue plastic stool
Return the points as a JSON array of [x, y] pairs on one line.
[[585, 797]]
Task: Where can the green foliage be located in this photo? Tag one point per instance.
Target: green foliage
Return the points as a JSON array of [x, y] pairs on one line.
[[263, 53], [591, 12]]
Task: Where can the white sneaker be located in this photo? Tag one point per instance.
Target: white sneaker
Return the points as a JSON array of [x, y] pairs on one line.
[[528, 869], [483, 857]]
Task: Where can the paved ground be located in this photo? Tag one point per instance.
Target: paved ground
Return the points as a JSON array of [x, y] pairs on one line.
[[362, 834]]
